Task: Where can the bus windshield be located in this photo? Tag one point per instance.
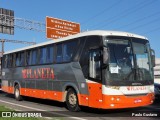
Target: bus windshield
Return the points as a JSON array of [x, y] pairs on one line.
[[129, 62]]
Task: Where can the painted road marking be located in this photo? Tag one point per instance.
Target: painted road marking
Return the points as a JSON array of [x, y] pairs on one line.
[[37, 109]]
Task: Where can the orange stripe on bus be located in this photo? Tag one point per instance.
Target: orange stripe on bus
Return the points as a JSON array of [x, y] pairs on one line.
[[83, 99], [98, 100], [8, 89], [44, 94], [108, 101], [95, 95]]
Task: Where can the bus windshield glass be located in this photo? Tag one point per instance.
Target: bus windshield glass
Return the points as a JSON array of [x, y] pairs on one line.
[[129, 62]]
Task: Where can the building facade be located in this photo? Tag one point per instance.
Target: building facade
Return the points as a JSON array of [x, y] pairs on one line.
[[157, 71]]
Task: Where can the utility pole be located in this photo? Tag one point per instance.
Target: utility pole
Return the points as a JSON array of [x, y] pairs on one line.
[[7, 24], [7, 21]]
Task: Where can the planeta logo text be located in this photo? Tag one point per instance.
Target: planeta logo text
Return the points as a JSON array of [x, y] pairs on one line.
[[42, 73], [136, 88]]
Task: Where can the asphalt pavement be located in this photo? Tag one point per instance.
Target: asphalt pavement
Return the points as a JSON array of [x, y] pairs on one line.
[[57, 110]]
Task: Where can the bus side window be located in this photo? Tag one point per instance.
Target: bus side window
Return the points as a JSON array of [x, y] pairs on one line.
[[68, 50], [17, 63], [22, 59], [50, 52], [34, 57], [28, 58], [19, 59], [9, 60], [42, 59], [95, 64], [5, 61], [59, 56]]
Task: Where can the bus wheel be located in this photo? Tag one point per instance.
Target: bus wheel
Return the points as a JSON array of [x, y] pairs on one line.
[[72, 101], [17, 93]]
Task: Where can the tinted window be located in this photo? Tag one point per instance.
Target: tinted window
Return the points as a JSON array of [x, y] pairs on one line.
[[92, 42], [19, 60], [10, 60], [28, 58], [17, 63], [68, 50], [5, 57], [43, 52], [5, 61], [49, 57], [46, 55], [59, 53], [34, 57], [22, 59]]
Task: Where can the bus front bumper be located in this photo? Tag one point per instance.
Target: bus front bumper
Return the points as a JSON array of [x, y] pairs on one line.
[[119, 101]]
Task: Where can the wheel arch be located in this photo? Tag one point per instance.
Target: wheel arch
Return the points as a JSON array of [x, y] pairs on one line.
[[65, 89], [16, 83]]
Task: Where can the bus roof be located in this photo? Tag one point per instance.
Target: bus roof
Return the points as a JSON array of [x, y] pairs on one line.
[[87, 33]]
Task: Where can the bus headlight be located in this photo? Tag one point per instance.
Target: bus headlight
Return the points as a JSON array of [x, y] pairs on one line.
[[118, 99], [112, 98]]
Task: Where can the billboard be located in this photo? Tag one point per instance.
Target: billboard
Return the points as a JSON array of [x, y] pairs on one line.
[[6, 21], [57, 28]]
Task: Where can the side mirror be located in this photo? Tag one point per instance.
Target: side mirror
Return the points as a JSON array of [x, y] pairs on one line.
[[153, 58], [105, 55]]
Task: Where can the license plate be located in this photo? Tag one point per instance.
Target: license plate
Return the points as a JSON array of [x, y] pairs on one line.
[[137, 101]]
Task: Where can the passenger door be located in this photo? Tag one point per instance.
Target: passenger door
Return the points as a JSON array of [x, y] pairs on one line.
[[95, 80]]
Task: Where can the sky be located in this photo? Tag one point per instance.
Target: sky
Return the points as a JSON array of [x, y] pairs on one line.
[[136, 16]]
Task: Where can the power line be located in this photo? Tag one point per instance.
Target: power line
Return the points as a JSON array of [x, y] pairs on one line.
[[140, 19], [29, 24], [17, 41], [13, 41], [103, 11], [150, 22], [130, 10], [153, 30]]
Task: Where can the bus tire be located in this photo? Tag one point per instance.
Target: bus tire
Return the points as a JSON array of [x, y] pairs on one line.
[[72, 101], [17, 95]]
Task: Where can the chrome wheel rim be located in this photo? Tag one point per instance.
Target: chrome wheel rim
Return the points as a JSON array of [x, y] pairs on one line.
[[16, 93], [72, 99]]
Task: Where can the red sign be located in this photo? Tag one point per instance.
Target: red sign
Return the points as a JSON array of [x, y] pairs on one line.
[[57, 28]]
